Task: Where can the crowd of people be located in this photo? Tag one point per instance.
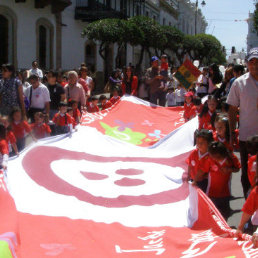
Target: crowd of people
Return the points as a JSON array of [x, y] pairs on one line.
[[41, 104]]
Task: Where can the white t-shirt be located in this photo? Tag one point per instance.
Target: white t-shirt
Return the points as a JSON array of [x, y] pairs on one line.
[[39, 97], [212, 86], [244, 94], [36, 71], [180, 95], [201, 80], [171, 99]]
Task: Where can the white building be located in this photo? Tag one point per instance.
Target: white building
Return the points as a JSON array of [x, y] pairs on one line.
[[50, 30], [252, 36]]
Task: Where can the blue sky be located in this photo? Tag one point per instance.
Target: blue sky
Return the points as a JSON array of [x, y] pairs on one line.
[[221, 16]]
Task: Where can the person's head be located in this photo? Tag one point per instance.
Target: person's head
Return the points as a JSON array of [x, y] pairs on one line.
[[222, 126], [229, 74], [102, 99], [155, 62], [171, 89], [73, 104], [115, 92], [39, 117], [34, 64], [8, 71], [72, 77], [70, 111], [238, 70], [188, 97], [252, 62], [203, 138], [212, 103], [52, 77], [252, 144], [2, 132], [62, 107], [218, 151], [34, 80], [94, 100], [5, 121], [129, 72], [164, 59], [16, 115], [213, 68], [205, 71], [83, 71]]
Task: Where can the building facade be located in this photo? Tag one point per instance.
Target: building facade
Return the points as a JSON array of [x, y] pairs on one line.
[[252, 36], [50, 30]]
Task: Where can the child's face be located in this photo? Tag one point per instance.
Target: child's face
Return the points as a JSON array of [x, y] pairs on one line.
[[70, 113], [17, 116], [63, 109], [163, 59], [217, 157], [95, 102], [39, 119], [212, 104], [202, 145], [188, 100], [220, 129], [115, 93], [74, 106], [5, 123], [103, 102]]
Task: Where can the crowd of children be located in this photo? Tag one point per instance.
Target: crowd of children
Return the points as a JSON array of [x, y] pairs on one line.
[[211, 164]]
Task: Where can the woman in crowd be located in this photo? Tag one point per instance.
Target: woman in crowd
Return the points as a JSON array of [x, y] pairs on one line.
[[11, 91], [215, 77], [129, 83]]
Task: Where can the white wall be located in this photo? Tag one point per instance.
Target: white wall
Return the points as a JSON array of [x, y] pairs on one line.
[[27, 16]]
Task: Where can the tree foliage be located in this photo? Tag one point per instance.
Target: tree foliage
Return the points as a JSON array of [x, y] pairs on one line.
[[149, 35]]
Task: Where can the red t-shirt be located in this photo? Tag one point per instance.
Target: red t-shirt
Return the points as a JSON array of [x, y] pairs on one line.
[[196, 162], [189, 111], [107, 104], [252, 170], [224, 141], [218, 182], [92, 108], [76, 115], [4, 147], [20, 129], [40, 130], [164, 66], [251, 203], [10, 137], [205, 121], [62, 120], [114, 99]]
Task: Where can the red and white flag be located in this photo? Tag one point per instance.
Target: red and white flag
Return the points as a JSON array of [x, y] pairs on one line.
[[95, 195]]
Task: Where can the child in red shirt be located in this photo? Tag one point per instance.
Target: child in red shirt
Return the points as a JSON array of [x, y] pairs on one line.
[[104, 102], [222, 165], [10, 137], [208, 114], [252, 148], [40, 129], [189, 107], [20, 128], [222, 133], [115, 97], [198, 161], [4, 153], [250, 208], [76, 111], [70, 112], [93, 105], [62, 120], [164, 70]]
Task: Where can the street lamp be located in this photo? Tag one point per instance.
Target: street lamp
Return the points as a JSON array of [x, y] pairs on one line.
[[203, 3]]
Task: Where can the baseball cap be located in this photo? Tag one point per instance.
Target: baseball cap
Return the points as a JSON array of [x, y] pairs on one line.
[[189, 94], [154, 58], [253, 53]]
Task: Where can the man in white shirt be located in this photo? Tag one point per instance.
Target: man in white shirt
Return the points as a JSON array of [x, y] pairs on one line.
[[36, 70], [244, 94], [38, 96]]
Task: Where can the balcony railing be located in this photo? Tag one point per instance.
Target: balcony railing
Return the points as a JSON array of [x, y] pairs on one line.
[[92, 10]]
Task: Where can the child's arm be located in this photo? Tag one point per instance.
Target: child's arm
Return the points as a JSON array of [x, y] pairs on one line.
[[5, 161], [14, 146]]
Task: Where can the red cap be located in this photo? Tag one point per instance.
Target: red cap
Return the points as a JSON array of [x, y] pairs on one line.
[[189, 94]]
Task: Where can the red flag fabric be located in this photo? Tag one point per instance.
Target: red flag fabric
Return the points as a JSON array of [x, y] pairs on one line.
[[92, 195]]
